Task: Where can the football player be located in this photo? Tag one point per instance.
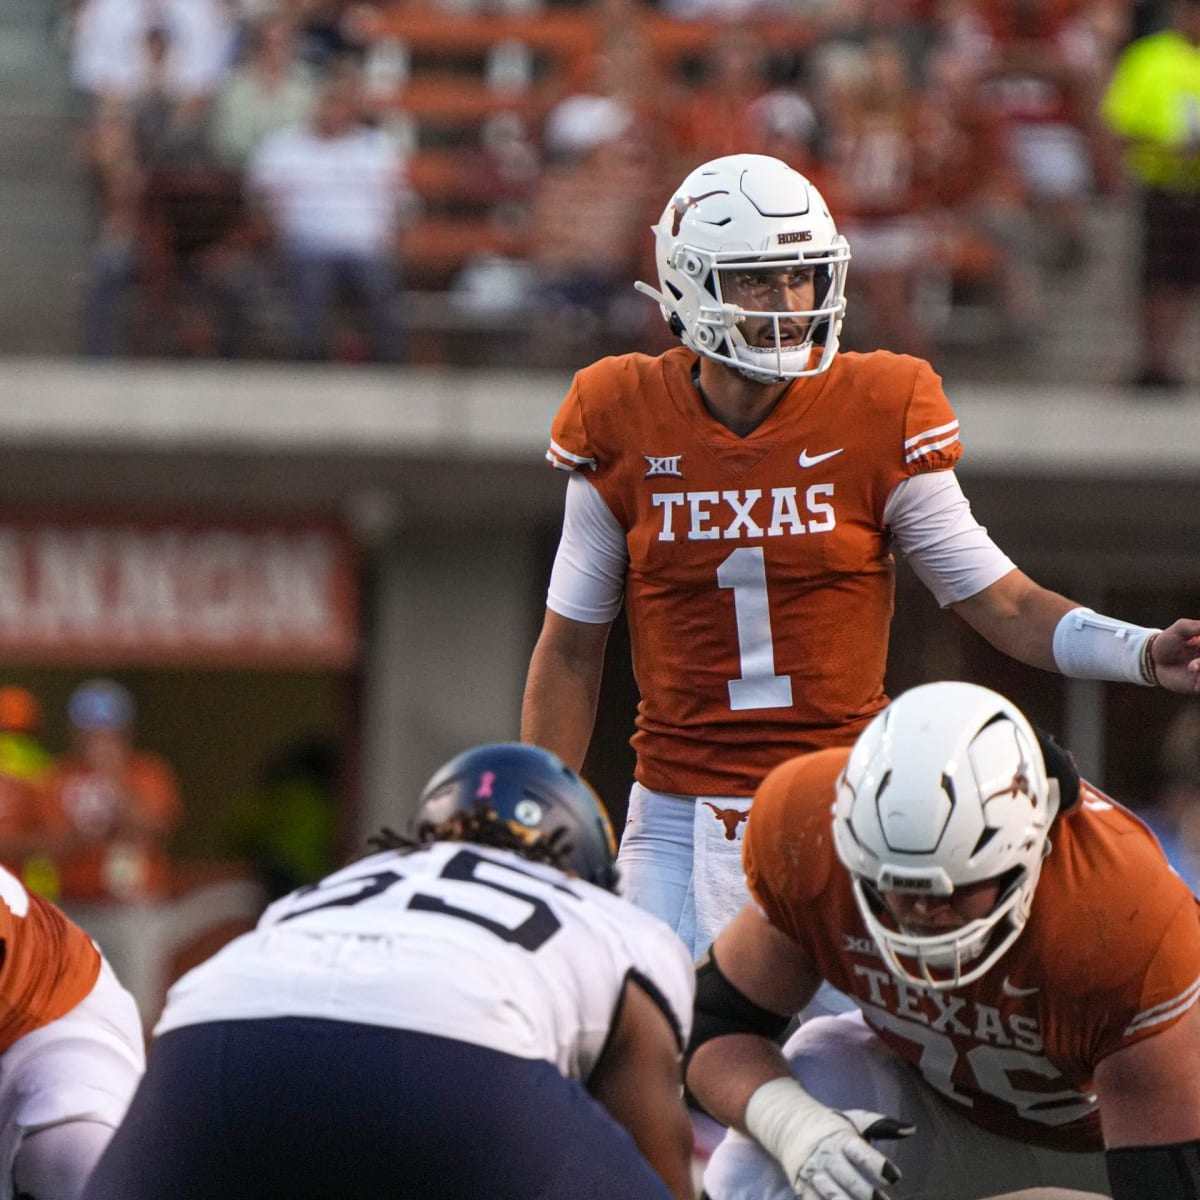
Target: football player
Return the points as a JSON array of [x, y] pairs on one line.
[[1025, 963], [468, 1012], [71, 1049], [741, 495]]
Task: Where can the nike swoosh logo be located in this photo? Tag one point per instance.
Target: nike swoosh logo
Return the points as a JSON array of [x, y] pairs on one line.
[[1011, 989], [811, 460]]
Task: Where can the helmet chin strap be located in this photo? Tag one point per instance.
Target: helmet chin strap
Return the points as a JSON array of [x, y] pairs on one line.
[[749, 371]]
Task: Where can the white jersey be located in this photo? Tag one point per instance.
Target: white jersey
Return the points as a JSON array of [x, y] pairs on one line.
[[454, 939]]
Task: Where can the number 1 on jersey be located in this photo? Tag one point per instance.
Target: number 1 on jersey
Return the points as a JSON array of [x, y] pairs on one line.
[[745, 572]]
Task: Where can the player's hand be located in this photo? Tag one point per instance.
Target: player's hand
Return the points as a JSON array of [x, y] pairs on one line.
[[1176, 656], [838, 1162]]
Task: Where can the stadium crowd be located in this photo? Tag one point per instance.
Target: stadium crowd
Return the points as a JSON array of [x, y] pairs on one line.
[[254, 165]]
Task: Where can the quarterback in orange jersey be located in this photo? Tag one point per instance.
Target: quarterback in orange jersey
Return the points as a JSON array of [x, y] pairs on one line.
[[1025, 964], [742, 495], [72, 1049]]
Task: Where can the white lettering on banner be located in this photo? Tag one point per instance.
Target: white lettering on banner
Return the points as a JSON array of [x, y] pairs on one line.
[[175, 589], [145, 601], [731, 514], [68, 567]]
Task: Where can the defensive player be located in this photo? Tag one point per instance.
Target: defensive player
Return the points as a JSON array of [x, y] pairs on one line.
[[71, 1049], [1025, 962], [742, 494], [469, 1012]]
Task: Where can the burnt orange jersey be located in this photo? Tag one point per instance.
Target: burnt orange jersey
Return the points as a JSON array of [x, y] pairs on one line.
[[760, 582], [47, 964], [1110, 955]]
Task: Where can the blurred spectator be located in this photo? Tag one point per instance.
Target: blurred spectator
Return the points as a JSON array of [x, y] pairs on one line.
[[166, 217], [509, 164], [329, 31], [1153, 104], [872, 110], [605, 147], [272, 88], [108, 36], [286, 829], [332, 193], [589, 217], [113, 808], [1174, 814], [622, 81], [169, 125], [119, 804], [25, 766], [783, 124], [22, 754], [1041, 74], [986, 237], [718, 118]]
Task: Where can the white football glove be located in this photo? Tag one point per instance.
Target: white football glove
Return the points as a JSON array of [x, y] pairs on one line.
[[826, 1154]]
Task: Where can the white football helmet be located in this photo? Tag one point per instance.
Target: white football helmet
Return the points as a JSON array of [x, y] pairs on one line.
[[743, 213], [945, 787]]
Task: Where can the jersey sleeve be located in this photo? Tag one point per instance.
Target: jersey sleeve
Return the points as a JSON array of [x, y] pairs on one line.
[[934, 528], [587, 582], [1131, 954], [931, 441], [570, 446], [663, 968], [1171, 984]]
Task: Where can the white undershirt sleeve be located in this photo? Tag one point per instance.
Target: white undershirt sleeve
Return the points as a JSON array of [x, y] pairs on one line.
[[588, 580], [934, 528]]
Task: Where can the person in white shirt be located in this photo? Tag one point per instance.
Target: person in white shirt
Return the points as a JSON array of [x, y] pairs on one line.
[[332, 192], [469, 1012]]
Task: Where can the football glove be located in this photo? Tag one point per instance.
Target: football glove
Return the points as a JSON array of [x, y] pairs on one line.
[[826, 1154]]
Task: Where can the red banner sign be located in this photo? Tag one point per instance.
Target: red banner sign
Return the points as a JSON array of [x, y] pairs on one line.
[[156, 594]]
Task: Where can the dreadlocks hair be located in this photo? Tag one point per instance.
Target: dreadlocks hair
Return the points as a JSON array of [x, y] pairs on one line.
[[483, 826]]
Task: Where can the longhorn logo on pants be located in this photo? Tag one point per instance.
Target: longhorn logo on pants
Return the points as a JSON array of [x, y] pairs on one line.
[[731, 818]]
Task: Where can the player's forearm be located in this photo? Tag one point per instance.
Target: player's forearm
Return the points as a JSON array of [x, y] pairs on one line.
[[674, 1167], [664, 1136], [1018, 617], [558, 712], [724, 1073]]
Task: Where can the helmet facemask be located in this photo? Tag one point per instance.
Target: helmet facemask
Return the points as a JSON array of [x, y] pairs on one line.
[[957, 956], [719, 328]]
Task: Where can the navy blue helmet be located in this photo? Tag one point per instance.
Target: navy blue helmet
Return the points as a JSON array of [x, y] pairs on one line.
[[536, 794]]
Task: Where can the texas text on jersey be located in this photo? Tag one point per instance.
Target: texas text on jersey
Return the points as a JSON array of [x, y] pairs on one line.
[[794, 509]]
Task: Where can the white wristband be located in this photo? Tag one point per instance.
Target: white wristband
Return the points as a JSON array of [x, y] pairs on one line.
[[1088, 645], [788, 1123]]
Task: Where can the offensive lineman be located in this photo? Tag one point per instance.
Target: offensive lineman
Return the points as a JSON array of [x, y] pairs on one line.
[[1025, 962]]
